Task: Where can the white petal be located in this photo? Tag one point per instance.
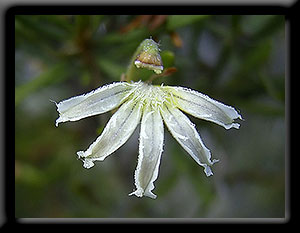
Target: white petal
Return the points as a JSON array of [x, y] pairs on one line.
[[184, 131], [95, 102], [204, 107], [117, 131], [150, 150]]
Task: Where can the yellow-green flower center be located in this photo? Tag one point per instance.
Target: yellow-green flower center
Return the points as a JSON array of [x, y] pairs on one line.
[[147, 94]]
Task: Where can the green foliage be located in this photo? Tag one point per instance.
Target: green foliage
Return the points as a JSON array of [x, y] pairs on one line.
[[239, 60], [56, 74], [177, 21]]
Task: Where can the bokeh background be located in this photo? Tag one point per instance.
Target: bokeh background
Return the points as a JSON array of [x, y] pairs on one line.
[[239, 60]]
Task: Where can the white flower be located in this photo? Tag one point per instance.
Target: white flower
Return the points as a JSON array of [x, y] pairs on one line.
[[152, 105]]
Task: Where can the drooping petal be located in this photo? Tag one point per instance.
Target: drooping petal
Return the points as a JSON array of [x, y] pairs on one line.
[[117, 131], [184, 131], [150, 150], [204, 107], [95, 102]]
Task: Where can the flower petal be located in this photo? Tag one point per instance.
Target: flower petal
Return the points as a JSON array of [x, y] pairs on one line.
[[204, 107], [95, 102], [184, 131], [150, 150], [117, 131]]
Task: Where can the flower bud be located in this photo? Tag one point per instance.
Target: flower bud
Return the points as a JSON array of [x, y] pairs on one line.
[[149, 56]]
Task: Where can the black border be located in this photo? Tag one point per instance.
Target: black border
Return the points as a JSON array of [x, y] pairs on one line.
[[128, 9], [57, 9]]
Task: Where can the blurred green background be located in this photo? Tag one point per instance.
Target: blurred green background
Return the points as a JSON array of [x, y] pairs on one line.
[[238, 60]]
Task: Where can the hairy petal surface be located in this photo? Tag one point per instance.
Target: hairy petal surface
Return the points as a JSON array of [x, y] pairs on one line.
[[95, 102], [184, 131], [117, 131], [204, 107], [150, 150]]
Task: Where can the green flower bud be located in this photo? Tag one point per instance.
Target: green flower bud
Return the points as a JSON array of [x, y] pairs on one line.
[[149, 57]]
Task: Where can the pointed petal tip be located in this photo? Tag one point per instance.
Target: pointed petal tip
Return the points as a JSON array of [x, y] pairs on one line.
[[207, 168], [87, 163], [208, 171], [215, 161], [57, 122], [141, 193], [60, 119], [151, 195], [80, 154], [236, 125], [138, 193], [232, 125], [237, 115], [52, 101]]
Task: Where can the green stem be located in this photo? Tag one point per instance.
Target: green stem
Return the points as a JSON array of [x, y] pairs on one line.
[[132, 70]]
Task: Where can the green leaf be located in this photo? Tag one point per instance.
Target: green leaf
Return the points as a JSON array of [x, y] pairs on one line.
[[176, 21], [40, 28], [168, 58]]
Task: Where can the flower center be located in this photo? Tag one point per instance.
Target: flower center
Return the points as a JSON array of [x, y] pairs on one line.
[[151, 95]]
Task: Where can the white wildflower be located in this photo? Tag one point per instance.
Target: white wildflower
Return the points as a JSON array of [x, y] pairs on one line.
[[151, 105]]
